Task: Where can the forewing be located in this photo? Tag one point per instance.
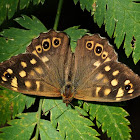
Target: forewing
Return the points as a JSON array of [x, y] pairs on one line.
[[43, 69]]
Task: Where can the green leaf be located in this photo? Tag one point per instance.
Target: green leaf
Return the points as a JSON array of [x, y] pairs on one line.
[[15, 41], [70, 124], [9, 7], [100, 12], [20, 129], [111, 119], [121, 19], [47, 131], [12, 103], [86, 4], [33, 24], [75, 34]]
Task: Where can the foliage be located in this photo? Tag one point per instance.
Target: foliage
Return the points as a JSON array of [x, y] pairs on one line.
[[122, 21], [65, 122], [17, 39], [12, 103], [9, 7], [112, 121]]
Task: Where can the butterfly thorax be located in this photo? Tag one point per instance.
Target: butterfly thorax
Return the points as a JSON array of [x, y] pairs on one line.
[[67, 93]]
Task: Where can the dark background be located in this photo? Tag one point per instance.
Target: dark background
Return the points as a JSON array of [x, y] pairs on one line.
[[72, 15]]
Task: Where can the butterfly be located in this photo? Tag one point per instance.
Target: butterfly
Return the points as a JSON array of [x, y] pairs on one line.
[[49, 68]]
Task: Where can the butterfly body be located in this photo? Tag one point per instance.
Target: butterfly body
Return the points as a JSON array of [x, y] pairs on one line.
[[49, 68]]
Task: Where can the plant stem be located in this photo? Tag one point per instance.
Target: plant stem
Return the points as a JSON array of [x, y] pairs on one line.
[[38, 118], [58, 14]]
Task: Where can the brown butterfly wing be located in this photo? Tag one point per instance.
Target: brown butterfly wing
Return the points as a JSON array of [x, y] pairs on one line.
[[25, 73], [40, 71], [98, 76], [54, 50], [86, 59]]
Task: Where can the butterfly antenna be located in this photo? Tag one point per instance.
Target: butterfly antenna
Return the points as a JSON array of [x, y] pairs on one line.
[[76, 109], [51, 108]]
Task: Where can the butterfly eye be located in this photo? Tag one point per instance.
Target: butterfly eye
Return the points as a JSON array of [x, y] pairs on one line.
[[38, 49], [104, 55], [98, 49], [56, 42], [128, 86], [46, 44], [8, 75], [89, 45]]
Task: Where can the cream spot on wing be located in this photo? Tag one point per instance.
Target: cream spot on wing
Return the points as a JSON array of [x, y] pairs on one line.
[[22, 73], [5, 73], [127, 82], [10, 71], [107, 59], [44, 59], [97, 63], [23, 64], [131, 85], [14, 82], [120, 93], [107, 68], [4, 79], [131, 90], [38, 70], [28, 84], [107, 91], [114, 82], [130, 94], [118, 99], [116, 72], [32, 73], [105, 80], [37, 85], [14, 88], [34, 52], [33, 61], [97, 90], [99, 76]]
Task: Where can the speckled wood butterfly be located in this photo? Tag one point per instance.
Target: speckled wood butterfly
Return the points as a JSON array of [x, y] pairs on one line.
[[49, 68]]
